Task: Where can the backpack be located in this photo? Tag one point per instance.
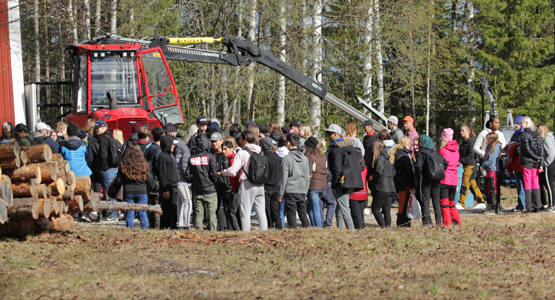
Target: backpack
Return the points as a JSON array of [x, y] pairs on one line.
[[258, 168], [114, 153], [434, 169]]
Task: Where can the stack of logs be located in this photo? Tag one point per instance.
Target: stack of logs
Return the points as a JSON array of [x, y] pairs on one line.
[[38, 191]]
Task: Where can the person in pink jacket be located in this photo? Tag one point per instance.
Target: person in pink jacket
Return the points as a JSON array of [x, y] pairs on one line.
[[450, 151]]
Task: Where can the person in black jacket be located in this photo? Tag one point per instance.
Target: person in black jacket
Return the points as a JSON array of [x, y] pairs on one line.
[[532, 156], [470, 167], [136, 179], [151, 155], [271, 191], [202, 172], [108, 159], [384, 185], [429, 189], [345, 175], [404, 179], [223, 186], [167, 181]]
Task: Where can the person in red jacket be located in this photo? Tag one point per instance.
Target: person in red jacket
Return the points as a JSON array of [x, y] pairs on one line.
[[359, 199], [450, 151]]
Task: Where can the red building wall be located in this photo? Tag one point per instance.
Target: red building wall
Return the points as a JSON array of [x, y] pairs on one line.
[[6, 83]]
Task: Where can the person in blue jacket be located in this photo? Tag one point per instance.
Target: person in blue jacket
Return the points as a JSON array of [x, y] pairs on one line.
[[491, 166], [75, 151]]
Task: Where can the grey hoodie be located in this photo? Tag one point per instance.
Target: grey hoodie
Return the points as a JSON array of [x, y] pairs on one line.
[[549, 146], [294, 174]]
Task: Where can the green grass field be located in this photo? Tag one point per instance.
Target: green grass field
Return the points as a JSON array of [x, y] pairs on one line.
[[508, 256]]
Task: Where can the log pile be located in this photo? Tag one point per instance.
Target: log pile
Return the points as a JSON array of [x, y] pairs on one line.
[[39, 192]]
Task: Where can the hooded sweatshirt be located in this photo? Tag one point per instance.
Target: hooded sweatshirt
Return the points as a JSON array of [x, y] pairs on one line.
[[383, 173], [451, 154], [281, 152], [76, 152], [549, 147], [167, 166], [343, 160], [295, 177], [203, 169], [241, 161], [182, 155]]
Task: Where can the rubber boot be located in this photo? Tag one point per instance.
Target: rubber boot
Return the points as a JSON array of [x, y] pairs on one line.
[[529, 206], [446, 214], [455, 217]]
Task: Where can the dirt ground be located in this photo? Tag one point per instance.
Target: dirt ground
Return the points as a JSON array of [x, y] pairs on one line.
[[507, 256]]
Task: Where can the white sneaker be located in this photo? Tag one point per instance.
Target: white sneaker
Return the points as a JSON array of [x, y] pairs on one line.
[[367, 212], [459, 207], [480, 206]]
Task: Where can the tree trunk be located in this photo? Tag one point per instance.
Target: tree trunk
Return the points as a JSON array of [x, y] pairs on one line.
[[282, 52], [57, 157], [37, 153], [62, 58], [315, 101], [23, 189], [83, 186], [25, 173], [97, 17], [367, 66], [72, 22], [48, 170], [109, 205], [379, 59], [75, 205], [37, 40], [44, 207], [428, 72], [87, 19], [24, 208], [250, 71], [46, 44], [236, 103], [10, 163], [9, 150], [304, 47], [3, 212], [225, 100], [114, 17], [57, 187], [41, 191], [470, 63], [92, 203]]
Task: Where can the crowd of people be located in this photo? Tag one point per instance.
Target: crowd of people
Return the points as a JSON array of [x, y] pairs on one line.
[[219, 177]]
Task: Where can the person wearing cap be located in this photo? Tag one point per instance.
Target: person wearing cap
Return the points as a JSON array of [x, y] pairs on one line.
[[318, 174], [182, 154], [23, 138], [202, 173], [202, 127], [223, 185], [396, 132], [168, 178], [370, 137], [251, 194], [107, 160], [7, 126], [449, 149], [75, 151], [410, 131], [294, 125], [343, 165], [271, 191], [45, 138]]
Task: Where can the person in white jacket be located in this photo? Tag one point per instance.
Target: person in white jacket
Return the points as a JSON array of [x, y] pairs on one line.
[[250, 193], [481, 143]]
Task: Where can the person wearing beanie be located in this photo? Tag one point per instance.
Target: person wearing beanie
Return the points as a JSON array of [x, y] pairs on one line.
[[430, 188], [75, 151], [215, 127], [271, 192], [318, 174], [518, 130], [262, 130], [449, 150], [396, 132]]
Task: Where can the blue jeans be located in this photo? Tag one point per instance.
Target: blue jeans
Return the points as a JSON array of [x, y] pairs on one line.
[[282, 213], [138, 199], [520, 191], [107, 178], [313, 207]]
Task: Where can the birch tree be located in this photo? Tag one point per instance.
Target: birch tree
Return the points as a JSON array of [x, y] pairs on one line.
[[97, 17], [470, 62], [250, 87], [72, 22], [37, 40], [114, 17], [367, 64], [282, 52], [87, 19], [379, 58], [315, 101]]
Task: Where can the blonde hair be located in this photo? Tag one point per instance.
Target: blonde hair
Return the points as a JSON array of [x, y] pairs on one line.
[[378, 147], [273, 127], [443, 144], [351, 130], [404, 142], [89, 126], [543, 130], [192, 130], [529, 123], [61, 126], [307, 130], [494, 141], [255, 130], [321, 144], [118, 135]]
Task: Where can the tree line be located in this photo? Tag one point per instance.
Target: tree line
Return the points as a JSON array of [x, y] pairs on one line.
[[404, 57]]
